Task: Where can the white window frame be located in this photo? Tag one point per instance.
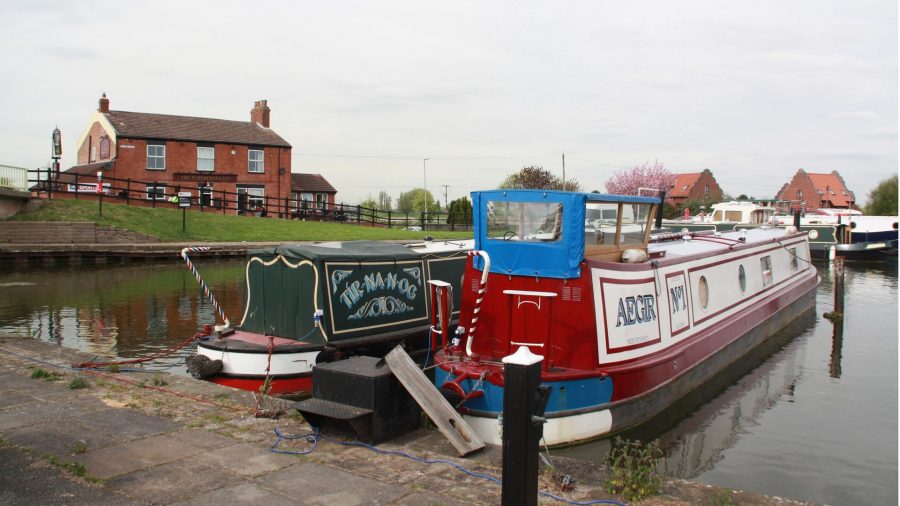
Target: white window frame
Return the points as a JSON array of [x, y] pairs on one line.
[[206, 159], [256, 161], [156, 192], [157, 156], [256, 197]]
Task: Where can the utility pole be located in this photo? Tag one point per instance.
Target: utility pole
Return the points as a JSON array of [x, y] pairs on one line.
[[564, 171], [445, 195]]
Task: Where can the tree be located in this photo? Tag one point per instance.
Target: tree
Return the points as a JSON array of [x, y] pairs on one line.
[[413, 201], [883, 199], [459, 212], [369, 203], [538, 178], [384, 201], [628, 181]]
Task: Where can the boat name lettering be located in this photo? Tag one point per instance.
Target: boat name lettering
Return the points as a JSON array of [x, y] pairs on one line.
[[679, 302], [381, 306], [636, 309], [354, 291]]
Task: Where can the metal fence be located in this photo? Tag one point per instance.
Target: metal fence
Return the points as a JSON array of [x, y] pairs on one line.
[[44, 183], [13, 178]]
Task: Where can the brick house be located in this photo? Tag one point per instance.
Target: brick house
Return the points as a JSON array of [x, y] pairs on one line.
[[813, 191], [694, 186], [311, 191], [159, 154]]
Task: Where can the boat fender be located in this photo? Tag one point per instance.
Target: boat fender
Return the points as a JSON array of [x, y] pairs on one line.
[[634, 256], [202, 367], [791, 229]]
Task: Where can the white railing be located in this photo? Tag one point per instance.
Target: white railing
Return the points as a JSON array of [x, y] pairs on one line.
[[13, 178]]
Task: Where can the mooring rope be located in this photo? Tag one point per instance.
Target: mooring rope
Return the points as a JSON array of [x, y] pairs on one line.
[[203, 285], [160, 354]]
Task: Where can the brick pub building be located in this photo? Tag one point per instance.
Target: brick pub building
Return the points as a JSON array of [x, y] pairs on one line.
[[154, 156]]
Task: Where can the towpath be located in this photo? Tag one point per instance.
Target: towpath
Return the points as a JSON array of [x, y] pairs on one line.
[[154, 438]]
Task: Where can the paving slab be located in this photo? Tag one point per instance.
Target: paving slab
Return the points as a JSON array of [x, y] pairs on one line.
[[136, 455], [27, 480], [315, 484], [36, 413], [173, 481], [246, 459], [242, 493], [126, 424], [64, 440]]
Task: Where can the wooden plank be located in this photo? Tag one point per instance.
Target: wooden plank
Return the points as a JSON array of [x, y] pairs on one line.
[[449, 422]]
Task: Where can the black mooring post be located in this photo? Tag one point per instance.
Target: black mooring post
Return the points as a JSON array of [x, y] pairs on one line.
[[522, 427], [659, 210]]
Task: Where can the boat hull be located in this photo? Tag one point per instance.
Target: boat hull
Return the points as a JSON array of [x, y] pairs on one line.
[[249, 358], [687, 369]]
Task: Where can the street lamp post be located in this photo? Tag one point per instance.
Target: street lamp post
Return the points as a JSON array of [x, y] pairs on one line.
[[425, 183]]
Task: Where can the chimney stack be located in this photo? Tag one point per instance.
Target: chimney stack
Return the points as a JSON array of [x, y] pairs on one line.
[[104, 103], [260, 113]]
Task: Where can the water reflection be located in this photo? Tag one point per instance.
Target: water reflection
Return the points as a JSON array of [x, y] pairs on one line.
[[122, 311]]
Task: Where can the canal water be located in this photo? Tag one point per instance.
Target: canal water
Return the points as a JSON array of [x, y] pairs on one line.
[[813, 417]]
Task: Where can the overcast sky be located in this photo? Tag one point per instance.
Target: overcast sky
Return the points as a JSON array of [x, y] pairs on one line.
[[365, 91]]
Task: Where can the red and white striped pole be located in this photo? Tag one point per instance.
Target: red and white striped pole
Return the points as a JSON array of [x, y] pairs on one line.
[[482, 288]]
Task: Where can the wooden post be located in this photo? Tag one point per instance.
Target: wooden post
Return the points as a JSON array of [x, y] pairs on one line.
[[837, 320], [522, 427]]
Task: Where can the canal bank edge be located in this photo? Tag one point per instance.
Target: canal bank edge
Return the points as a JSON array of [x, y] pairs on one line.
[[162, 438]]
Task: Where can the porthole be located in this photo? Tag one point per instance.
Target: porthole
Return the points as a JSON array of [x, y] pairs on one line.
[[813, 234], [742, 278], [703, 291]]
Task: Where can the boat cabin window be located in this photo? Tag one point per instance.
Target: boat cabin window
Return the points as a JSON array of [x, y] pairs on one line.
[[525, 221], [615, 226]]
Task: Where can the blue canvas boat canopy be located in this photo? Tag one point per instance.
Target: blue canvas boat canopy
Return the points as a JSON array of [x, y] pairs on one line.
[[536, 232]]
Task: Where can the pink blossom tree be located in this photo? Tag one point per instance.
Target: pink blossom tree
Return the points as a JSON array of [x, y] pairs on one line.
[[627, 181]]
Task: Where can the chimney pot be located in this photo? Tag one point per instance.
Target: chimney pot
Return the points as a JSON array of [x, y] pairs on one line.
[[104, 103], [260, 113]]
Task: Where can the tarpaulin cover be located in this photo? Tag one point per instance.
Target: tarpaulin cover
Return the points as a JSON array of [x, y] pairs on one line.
[[362, 288]]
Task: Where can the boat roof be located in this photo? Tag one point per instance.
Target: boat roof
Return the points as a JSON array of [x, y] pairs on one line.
[[340, 251]]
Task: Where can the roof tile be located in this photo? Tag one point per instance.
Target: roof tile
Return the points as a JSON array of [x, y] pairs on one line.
[[187, 128]]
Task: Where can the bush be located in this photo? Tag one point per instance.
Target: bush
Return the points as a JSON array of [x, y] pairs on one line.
[[632, 469]]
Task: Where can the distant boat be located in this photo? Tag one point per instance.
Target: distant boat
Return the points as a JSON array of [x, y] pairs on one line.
[[308, 304], [868, 237], [626, 324]]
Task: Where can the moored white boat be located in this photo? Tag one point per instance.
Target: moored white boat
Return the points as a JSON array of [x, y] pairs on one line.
[[626, 327]]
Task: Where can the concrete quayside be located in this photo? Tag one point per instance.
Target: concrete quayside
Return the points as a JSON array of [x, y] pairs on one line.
[[140, 437]]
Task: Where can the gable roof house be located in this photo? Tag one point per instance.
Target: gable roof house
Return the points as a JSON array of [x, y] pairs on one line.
[[311, 191], [816, 190], [693, 186], [158, 155]]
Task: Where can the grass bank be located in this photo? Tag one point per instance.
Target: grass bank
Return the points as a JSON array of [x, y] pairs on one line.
[[166, 224]]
